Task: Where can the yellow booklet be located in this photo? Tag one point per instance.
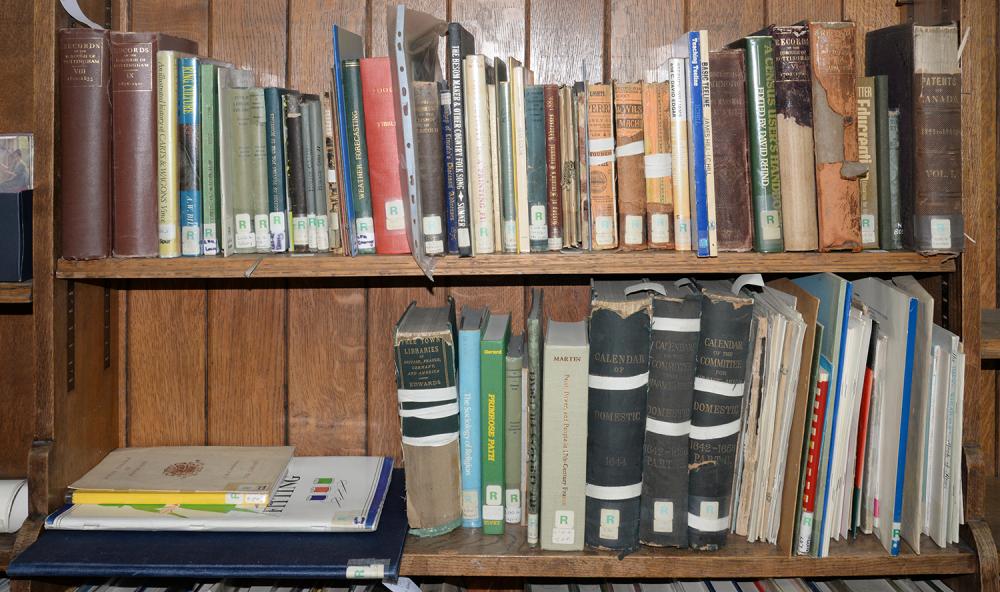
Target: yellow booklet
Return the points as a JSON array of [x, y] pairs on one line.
[[218, 475]]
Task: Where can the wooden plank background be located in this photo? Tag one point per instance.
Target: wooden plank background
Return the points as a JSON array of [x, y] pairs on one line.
[[309, 362]]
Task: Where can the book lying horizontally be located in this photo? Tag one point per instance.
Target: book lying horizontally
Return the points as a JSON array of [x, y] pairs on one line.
[[238, 475], [318, 494]]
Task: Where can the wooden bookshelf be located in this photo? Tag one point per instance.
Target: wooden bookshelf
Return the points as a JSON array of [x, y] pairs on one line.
[[6, 549], [581, 264], [15, 292], [989, 347], [467, 552]]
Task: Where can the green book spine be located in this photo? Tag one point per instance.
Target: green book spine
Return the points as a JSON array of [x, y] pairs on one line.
[[506, 153], [239, 105], [274, 105], [492, 378], [512, 430], [765, 178], [868, 183], [308, 171], [534, 133], [889, 223], [209, 159], [357, 166]]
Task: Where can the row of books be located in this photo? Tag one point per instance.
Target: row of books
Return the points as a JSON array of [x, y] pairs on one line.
[[771, 144], [795, 412]]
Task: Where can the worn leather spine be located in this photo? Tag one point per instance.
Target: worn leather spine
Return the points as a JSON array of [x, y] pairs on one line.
[[601, 147], [630, 165], [658, 165], [729, 143], [430, 166], [553, 165]]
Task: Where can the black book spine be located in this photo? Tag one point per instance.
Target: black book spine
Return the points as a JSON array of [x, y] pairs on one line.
[[448, 161], [616, 419], [715, 416], [460, 44], [296, 175], [673, 345]]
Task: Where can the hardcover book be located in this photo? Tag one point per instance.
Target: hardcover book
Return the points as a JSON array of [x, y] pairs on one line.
[[570, 183], [890, 225], [424, 344], [564, 414], [867, 141], [516, 73], [317, 151], [629, 164], [308, 116], [553, 166], [448, 159], [492, 375], [505, 160], [296, 174], [430, 166], [168, 194], [189, 155], [534, 130], [334, 195], [616, 413], [680, 162], [241, 118], [675, 327], [346, 46], [512, 430], [601, 148], [729, 142], [658, 164], [277, 193], [470, 333], [479, 150], [461, 44], [533, 362], [357, 160]]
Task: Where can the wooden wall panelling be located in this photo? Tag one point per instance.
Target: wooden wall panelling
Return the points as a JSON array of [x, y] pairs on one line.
[[387, 299], [566, 301], [497, 25], [183, 18], [326, 320], [979, 206], [166, 363], [642, 32], [252, 35], [725, 21], [377, 43], [501, 295], [16, 105], [561, 35], [17, 413], [868, 15], [785, 12]]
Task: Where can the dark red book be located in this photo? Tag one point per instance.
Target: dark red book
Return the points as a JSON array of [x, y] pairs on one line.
[[383, 158]]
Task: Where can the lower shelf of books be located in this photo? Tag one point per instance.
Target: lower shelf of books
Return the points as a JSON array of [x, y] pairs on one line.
[[468, 552]]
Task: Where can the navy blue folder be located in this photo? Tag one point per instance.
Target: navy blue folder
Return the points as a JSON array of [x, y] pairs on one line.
[[216, 555]]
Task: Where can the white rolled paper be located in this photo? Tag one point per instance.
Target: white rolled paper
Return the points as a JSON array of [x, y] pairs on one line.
[[13, 504]]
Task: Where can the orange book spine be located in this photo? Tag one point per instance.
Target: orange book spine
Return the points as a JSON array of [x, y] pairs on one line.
[[657, 163], [629, 160], [601, 146]]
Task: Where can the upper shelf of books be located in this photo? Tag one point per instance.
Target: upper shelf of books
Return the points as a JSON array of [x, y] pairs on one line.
[[582, 264]]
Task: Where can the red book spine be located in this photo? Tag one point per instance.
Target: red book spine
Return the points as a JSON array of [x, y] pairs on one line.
[[383, 158], [812, 464]]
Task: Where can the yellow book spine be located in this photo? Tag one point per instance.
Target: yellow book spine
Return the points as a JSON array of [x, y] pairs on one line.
[[168, 195], [81, 496]]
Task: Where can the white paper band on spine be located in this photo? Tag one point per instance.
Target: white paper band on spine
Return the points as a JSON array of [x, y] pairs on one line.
[[622, 492], [448, 393], [676, 325], [601, 159], [717, 387], [631, 149], [708, 524], [618, 383], [600, 144], [436, 412], [668, 428], [715, 432], [658, 165], [435, 440]]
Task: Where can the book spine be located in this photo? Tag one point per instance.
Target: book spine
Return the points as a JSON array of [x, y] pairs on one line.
[[505, 152], [657, 164], [188, 155], [835, 133], [357, 169], [630, 168], [583, 165], [729, 142], [317, 153], [296, 175], [428, 397], [168, 197], [679, 156], [867, 139], [862, 440], [226, 140], [616, 419], [811, 474], [309, 172], [793, 109], [518, 122], [480, 167], [564, 413], [448, 156], [673, 344], [494, 160], [553, 166], [382, 156], [570, 189], [533, 351], [512, 433], [276, 192], [890, 228], [470, 434], [492, 372], [715, 417], [700, 138], [258, 171], [765, 173], [601, 147], [209, 159], [430, 166], [457, 51], [334, 198], [534, 129], [895, 214]]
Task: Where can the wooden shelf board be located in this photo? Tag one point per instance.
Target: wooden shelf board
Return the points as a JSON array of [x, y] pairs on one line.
[[467, 552], [989, 346], [6, 548], [15, 292], [587, 264]]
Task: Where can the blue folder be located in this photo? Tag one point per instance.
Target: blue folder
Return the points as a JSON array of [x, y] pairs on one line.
[[216, 555]]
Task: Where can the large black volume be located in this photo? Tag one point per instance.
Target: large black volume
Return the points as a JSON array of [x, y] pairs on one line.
[[616, 415], [715, 415], [675, 328]]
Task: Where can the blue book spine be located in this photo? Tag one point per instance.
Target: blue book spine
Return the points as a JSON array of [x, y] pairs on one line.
[[904, 427], [347, 194], [700, 176], [274, 110], [470, 433], [189, 155], [451, 197]]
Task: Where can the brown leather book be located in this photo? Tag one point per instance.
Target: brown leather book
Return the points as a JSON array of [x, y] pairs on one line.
[[835, 134], [630, 164], [430, 165], [729, 143], [133, 125], [85, 129], [601, 148], [659, 180], [553, 164]]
